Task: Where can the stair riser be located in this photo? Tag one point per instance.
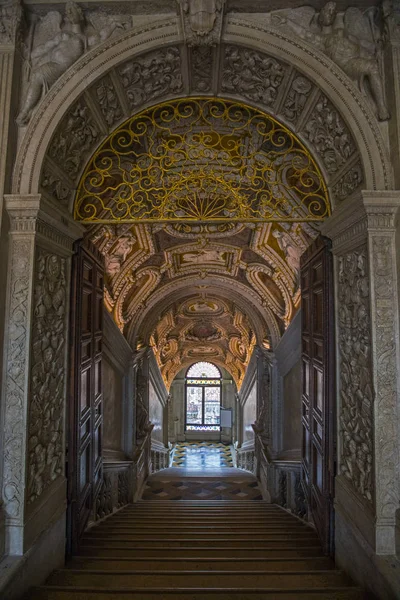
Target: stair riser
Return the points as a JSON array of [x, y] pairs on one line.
[[182, 564], [71, 594], [209, 535], [205, 579], [206, 552], [204, 529], [273, 543]]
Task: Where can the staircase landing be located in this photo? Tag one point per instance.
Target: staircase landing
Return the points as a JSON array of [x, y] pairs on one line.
[[212, 484]]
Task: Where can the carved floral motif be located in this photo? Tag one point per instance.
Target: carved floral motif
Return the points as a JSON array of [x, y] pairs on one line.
[[45, 434], [326, 131], [202, 63], [356, 385], [254, 75], [107, 98], [155, 74]]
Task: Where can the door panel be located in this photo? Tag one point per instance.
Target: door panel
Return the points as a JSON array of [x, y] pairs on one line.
[[84, 456], [318, 415]]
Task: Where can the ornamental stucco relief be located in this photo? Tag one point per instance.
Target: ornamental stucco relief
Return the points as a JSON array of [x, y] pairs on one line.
[[356, 385], [46, 411]]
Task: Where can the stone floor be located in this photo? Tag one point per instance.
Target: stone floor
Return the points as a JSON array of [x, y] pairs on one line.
[[214, 484], [202, 455]]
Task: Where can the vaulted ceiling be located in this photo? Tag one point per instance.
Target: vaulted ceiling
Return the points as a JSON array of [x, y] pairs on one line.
[[202, 291]]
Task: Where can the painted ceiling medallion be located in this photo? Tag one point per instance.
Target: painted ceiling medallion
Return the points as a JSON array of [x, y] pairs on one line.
[[201, 160]]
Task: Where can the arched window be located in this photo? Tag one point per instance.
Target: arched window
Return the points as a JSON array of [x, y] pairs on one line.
[[203, 397]]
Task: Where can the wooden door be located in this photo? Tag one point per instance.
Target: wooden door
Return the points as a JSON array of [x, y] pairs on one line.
[[318, 393], [84, 452]]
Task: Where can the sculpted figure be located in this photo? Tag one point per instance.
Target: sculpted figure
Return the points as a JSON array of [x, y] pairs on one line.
[[352, 43], [66, 39], [291, 251], [51, 59]]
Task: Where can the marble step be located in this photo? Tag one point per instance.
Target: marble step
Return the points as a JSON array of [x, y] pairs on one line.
[[272, 542], [173, 535], [206, 526], [184, 563], [132, 551], [75, 593], [101, 579]]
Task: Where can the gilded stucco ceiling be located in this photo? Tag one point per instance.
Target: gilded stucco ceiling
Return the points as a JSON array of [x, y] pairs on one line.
[[202, 291]]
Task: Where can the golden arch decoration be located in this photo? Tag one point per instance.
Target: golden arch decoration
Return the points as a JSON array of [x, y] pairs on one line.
[[201, 160]]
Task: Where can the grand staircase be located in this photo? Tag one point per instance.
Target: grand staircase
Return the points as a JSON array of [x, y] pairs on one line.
[[199, 550]]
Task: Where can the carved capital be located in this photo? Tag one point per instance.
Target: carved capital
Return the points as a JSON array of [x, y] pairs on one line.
[[351, 221], [10, 18], [33, 214]]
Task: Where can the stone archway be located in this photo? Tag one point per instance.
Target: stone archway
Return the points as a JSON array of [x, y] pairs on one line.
[[74, 116]]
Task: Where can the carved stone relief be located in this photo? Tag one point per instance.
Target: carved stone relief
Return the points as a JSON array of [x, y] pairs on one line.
[[14, 422], [202, 68], [10, 18], [159, 74], [74, 139], [356, 385], [108, 101], [201, 21], [254, 75], [299, 92], [329, 135], [46, 414], [353, 40], [54, 186], [155, 74], [55, 42], [386, 420], [349, 183]]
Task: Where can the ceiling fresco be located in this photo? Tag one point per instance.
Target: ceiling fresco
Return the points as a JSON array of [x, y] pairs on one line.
[[202, 291]]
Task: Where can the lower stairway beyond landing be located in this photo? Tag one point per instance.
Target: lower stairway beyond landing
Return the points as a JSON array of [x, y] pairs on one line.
[[199, 550]]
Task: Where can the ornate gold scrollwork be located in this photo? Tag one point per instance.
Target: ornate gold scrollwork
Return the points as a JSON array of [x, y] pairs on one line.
[[201, 160]]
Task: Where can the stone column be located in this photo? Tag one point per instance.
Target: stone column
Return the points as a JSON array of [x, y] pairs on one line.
[[367, 302], [10, 17], [35, 367]]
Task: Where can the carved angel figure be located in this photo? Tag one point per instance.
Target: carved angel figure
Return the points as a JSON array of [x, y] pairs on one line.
[[56, 43], [353, 41]]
